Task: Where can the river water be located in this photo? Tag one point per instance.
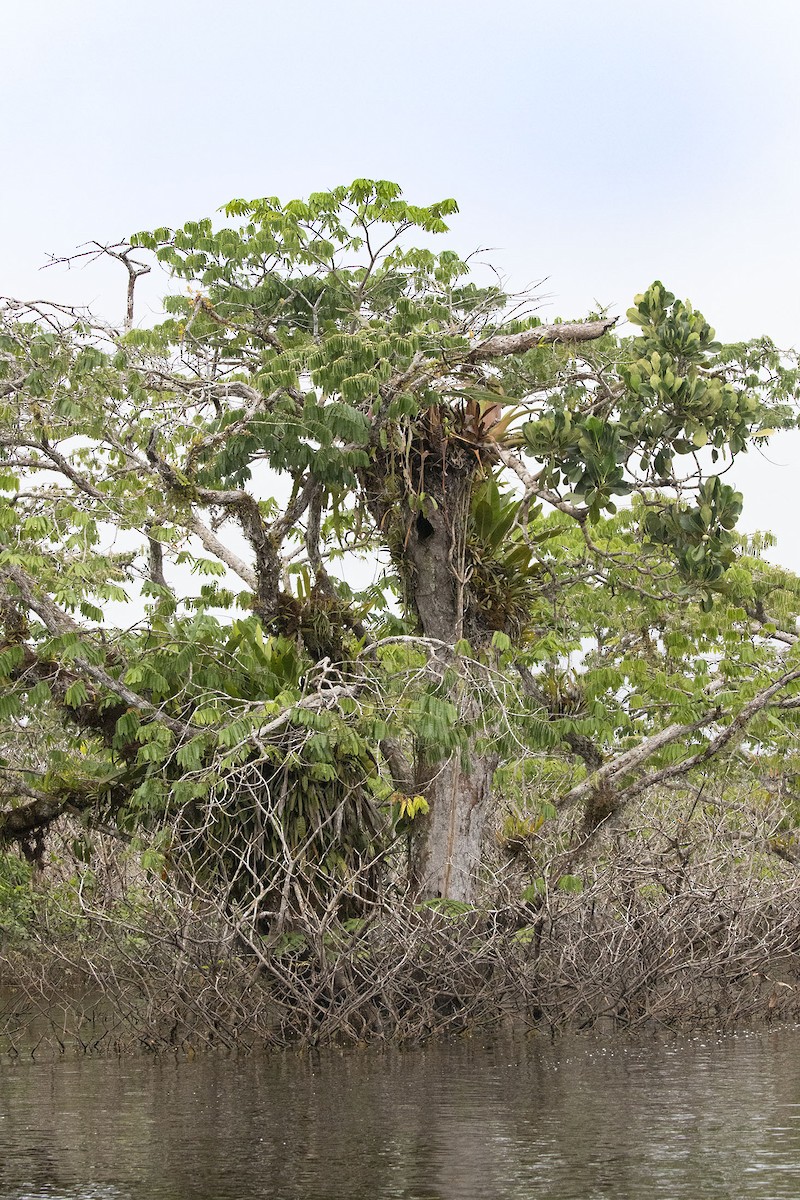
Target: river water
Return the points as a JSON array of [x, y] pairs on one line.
[[694, 1118]]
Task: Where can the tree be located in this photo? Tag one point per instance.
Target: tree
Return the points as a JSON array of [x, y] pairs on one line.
[[322, 391]]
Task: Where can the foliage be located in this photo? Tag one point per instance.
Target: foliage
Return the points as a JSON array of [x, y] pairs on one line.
[[16, 907], [321, 396]]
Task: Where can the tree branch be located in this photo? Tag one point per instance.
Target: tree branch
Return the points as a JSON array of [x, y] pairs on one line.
[[266, 579], [501, 344], [58, 623], [215, 546], [17, 823], [533, 488], [736, 726]]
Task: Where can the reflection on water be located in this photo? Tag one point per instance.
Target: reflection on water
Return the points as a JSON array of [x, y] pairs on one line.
[[581, 1120]]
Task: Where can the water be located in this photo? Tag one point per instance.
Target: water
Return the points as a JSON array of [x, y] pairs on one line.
[[583, 1120]]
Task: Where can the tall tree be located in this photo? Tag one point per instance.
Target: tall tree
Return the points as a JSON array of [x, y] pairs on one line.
[[321, 391]]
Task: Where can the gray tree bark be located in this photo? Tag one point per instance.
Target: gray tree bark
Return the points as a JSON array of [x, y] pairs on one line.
[[448, 843]]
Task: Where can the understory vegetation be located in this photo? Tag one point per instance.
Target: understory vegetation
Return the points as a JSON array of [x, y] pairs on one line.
[[687, 920]]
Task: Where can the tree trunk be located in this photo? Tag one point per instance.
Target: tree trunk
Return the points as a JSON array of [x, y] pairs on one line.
[[446, 851], [428, 547], [447, 844], [436, 592]]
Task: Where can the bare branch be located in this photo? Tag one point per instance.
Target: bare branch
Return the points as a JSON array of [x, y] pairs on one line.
[[119, 251], [216, 546], [501, 344]]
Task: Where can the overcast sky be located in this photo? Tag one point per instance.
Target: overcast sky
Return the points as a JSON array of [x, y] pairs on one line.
[[595, 146]]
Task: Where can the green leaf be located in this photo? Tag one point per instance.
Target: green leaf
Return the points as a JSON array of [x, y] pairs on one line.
[[570, 883], [76, 694]]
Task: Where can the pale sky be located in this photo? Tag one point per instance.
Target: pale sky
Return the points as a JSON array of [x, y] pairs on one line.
[[595, 146]]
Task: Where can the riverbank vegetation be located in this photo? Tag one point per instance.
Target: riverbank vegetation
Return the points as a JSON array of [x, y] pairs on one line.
[[688, 921], [380, 662]]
